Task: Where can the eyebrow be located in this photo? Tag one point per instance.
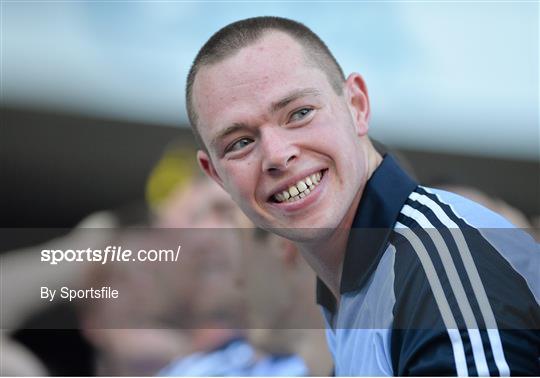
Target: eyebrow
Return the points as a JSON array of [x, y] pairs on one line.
[[274, 107], [229, 130], [292, 96]]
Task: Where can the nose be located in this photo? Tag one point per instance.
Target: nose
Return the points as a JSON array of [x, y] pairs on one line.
[[279, 151]]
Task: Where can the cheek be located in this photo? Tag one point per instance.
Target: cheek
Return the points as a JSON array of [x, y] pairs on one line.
[[240, 181], [335, 138]]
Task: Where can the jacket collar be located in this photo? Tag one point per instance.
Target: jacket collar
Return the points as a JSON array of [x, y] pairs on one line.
[[384, 195]]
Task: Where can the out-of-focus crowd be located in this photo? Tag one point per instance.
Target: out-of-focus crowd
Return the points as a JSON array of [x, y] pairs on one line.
[[239, 302]]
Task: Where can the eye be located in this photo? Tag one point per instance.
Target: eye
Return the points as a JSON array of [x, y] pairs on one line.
[[300, 114], [238, 145]]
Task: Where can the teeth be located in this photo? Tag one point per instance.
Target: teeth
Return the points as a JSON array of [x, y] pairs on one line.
[[300, 190]]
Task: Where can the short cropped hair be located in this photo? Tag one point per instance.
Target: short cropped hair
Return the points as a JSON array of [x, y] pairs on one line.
[[233, 37]]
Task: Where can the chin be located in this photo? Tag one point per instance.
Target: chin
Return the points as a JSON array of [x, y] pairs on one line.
[[303, 235]]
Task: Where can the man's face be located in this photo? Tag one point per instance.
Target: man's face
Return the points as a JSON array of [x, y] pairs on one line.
[[208, 278], [274, 126]]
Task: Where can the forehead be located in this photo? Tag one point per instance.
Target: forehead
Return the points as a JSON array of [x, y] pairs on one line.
[[249, 81]]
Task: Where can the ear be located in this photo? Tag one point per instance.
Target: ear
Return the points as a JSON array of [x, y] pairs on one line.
[[206, 165], [358, 101]]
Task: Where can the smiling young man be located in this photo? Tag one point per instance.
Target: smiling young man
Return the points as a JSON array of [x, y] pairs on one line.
[[408, 283]]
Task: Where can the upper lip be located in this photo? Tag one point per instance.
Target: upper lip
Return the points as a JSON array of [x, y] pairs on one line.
[[293, 181]]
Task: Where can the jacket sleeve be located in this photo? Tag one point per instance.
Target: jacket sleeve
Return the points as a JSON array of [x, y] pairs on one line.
[[430, 334]]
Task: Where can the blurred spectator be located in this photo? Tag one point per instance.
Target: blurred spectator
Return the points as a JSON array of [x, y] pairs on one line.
[[22, 269], [284, 322], [191, 310], [283, 316], [164, 309], [205, 206]]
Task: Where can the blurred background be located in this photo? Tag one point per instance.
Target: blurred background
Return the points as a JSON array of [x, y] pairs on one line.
[[92, 99], [92, 93]]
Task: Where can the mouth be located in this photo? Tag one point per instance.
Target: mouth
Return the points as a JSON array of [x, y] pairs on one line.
[[301, 189]]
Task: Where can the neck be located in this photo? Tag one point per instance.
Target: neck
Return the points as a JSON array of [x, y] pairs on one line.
[[326, 255]]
